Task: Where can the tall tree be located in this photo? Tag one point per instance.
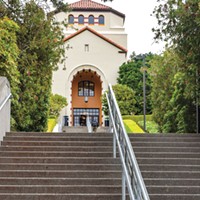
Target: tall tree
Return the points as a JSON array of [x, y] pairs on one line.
[[131, 74], [8, 59], [179, 25], [40, 42], [125, 97]]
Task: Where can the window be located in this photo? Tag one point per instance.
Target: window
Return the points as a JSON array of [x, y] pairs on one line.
[[92, 112], [91, 20], [81, 19], [86, 47], [86, 88], [101, 20], [71, 19]]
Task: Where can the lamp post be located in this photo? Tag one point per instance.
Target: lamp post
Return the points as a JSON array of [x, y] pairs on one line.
[[143, 70], [144, 97]]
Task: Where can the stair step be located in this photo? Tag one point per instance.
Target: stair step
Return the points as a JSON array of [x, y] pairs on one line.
[[57, 148], [58, 138], [56, 143], [55, 154], [61, 189], [173, 189], [165, 144], [166, 149], [60, 196], [68, 160], [174, 196], [173, 161], [43, 134], [171, 174], [167, 155], [66, 174], [169, 167], [86, 167], [59, 181], [172, 181]]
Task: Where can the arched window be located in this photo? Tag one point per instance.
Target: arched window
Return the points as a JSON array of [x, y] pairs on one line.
[[86, 88], [101, 20], [71, 19], [81, 19], [91, 20]]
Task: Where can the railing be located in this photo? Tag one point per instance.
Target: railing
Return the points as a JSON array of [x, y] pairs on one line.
[[5, 96], [131, 175], [88, 123]]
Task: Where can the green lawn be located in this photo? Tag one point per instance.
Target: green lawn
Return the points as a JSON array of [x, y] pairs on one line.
[[131, 126], [137, 121], [51, 124]]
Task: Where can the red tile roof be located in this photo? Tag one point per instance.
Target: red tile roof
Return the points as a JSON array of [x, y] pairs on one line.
[[89, 5], [123, 50]]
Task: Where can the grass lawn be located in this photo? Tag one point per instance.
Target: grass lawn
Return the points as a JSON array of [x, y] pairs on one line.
[[151, 126], [131, 126], [51, 124]]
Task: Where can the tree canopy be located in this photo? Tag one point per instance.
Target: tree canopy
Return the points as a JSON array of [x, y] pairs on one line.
[[39, 40], [125, 97], [179, 26], [131, 74]]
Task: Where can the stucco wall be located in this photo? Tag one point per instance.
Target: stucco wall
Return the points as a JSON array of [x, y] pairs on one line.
[[102, 57]]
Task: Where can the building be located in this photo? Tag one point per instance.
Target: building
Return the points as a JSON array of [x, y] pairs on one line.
[[96, 45]]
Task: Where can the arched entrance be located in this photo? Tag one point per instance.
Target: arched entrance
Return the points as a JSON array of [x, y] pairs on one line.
[[86, 97]]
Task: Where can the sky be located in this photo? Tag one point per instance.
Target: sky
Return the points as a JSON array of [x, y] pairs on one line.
[[138, 24]]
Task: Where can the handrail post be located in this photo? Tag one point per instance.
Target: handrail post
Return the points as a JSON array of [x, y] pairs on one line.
[[114, 146], [123, 186]]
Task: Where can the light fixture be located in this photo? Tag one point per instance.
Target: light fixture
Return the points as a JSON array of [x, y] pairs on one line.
[[64, 68], [86, 99]]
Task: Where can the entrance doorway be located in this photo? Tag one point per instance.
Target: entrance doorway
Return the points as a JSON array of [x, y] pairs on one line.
[[80, 115]]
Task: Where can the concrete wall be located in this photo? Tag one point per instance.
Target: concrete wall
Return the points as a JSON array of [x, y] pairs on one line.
[[5, 110]]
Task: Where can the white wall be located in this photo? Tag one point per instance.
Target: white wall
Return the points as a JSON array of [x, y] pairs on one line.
[[103, 57]]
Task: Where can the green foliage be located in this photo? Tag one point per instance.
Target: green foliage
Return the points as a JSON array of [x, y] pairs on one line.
[[179, 25], [131, 74], [151, 126], [125, 97], [8, 59], [57, 102], [40, 42]]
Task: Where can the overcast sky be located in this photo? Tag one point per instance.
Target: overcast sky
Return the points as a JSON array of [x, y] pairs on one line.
[[138, 24]]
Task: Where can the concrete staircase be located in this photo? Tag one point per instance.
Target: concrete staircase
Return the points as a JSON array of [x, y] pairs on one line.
[[79, 166], [170, 165], [59, 166]]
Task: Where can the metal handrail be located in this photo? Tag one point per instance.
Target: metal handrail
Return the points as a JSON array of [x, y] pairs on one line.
[[5, 101], [89, 125], [131, 173]]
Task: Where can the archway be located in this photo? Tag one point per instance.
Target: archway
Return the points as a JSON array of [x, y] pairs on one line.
[[86, 97]]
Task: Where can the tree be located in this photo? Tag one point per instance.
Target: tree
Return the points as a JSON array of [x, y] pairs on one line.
[[179, 25], [125, 97], [40, 41], [57, 102], [8, 59], [163, 69], [131, 74]]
